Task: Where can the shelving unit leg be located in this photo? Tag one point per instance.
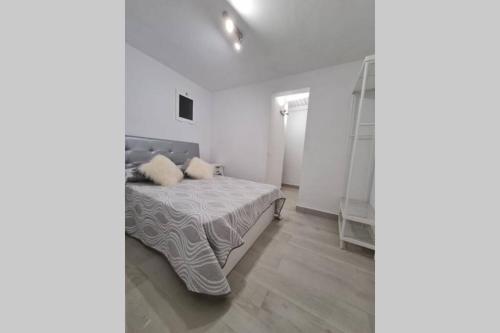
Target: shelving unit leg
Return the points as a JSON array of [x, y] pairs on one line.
[[341, 231]]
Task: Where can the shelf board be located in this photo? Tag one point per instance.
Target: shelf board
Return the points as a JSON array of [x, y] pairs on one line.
[[358, 211], [359, 234]]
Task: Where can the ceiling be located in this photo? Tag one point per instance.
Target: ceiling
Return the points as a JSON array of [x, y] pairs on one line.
[[280, 37]]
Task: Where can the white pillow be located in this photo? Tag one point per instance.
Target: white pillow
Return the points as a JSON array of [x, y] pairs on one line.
[[199, 169], [162, 171]]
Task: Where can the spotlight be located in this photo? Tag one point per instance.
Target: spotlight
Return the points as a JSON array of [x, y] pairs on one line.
[[237, 46], [229, 25]]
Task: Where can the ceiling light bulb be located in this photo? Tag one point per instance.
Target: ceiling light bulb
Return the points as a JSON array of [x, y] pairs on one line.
[[237, 46], [229, 25]]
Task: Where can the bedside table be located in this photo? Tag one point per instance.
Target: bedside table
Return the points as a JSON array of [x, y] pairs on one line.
[[218, 170]]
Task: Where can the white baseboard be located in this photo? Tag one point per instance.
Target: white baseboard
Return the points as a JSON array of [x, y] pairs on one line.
[[308, 210]]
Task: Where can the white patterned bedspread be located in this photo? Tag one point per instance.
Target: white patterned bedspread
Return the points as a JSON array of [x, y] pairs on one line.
[[197, 223]]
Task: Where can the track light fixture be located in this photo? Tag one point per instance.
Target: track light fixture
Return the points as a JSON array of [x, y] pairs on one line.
[[232, 30]]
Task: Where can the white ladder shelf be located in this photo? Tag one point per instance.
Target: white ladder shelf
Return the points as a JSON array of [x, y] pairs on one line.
[[357, 217]]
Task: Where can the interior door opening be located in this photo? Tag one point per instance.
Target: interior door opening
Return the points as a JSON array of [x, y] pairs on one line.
[[286, 138]]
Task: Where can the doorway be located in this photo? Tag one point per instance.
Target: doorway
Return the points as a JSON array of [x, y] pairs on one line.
[[286, 138]]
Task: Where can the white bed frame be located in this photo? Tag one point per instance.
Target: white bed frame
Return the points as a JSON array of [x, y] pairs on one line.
[[250, 237]]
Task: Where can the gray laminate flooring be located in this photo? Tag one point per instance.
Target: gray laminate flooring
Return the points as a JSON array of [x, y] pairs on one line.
[[295, 278]]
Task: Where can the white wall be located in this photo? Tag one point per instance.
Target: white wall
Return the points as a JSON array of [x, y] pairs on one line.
[[241, 127], [150, 102], [276, 144], [372, 193], [294, 149], [240, 131]]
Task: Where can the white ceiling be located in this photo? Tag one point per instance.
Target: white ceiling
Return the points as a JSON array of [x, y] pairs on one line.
[[281, 37]]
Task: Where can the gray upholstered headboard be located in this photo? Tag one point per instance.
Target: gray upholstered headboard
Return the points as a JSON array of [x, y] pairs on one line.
[[140, 150]]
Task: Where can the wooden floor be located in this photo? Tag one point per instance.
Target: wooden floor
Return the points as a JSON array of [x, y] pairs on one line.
[[294, 279]]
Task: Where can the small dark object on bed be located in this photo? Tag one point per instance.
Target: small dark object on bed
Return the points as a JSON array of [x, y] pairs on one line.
[[134, 175]]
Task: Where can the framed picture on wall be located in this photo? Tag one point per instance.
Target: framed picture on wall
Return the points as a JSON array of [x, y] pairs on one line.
[[184, 106]]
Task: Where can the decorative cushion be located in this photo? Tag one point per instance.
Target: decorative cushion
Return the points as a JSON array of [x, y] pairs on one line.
[[199, 169], [162, 171]]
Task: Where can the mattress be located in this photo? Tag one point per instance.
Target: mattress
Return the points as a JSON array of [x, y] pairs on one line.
[[197, 223]]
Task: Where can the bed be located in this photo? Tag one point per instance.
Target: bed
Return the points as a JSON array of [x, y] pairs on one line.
[[202, 227]]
